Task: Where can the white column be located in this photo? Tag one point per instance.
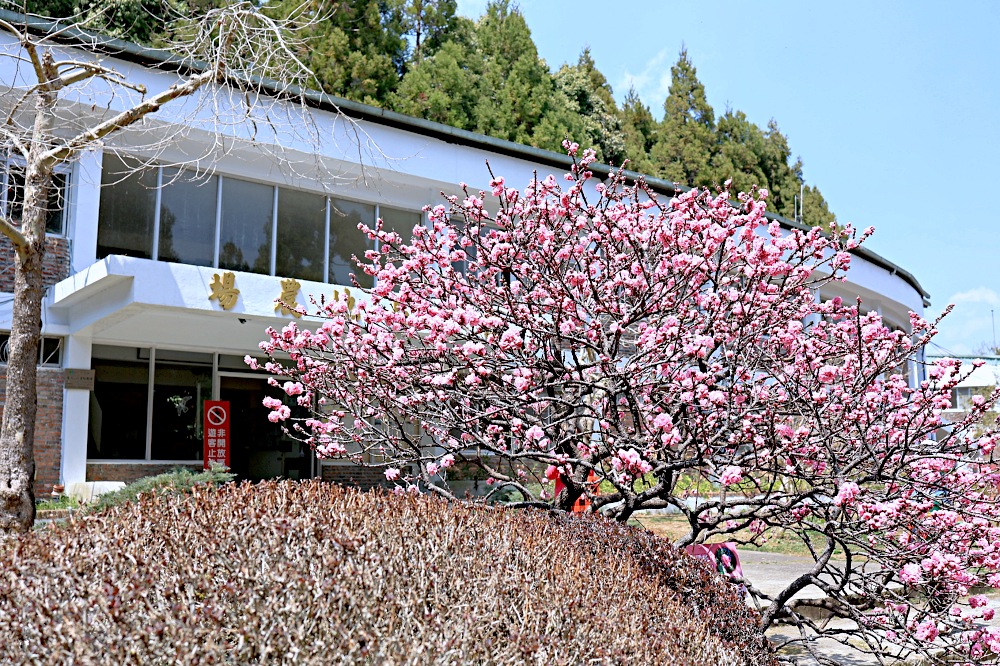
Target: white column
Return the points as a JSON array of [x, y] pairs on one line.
[[84, 208], [76, 412]]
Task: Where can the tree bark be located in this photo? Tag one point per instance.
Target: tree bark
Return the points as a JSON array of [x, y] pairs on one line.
[[17, 434], [17, 431]]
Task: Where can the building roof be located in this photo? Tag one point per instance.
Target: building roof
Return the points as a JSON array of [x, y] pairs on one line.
[[162, 59], [985, 375]]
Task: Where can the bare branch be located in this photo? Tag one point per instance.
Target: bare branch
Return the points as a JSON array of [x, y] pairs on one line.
[[87, 70], [125, 118], [13, 234]]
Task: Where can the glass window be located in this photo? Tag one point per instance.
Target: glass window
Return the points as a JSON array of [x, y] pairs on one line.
[[400, 221], [247, 221], [117, 426], [235, 362], [14, 198], [49, 350], [179, 394], [301, 232], [187, 218], [128, 201], [56, 215], [346, 241]]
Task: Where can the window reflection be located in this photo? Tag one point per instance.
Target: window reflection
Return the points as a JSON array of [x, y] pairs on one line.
[[187, 218], [247, 220], [301, 233], [117, 423], [128, 198], [179, 392], [230, 223], [346, 241]]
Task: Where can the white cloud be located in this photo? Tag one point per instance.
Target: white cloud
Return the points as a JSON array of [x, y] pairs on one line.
[[970, 325], [652, 82], [472, 9]]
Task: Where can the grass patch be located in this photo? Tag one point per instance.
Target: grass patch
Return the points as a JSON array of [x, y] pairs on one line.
[[57, 504], [673, 527]]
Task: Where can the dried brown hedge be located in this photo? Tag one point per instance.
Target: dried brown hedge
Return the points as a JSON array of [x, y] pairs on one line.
[[308, 573]]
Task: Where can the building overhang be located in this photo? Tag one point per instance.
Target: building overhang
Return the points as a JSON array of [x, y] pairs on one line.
[[125, 300]]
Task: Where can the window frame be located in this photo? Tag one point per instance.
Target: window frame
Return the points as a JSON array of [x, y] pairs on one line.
[[61, 191], [277, 192], [44, 359]]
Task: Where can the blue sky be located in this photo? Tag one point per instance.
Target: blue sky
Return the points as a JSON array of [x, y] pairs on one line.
[[894, 108]]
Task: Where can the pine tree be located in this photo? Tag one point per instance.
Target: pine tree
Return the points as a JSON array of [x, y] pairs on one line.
[[588, 94], [686, 143], [639, 128]]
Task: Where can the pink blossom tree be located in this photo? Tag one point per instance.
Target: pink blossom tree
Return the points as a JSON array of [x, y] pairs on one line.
[[594, 330]]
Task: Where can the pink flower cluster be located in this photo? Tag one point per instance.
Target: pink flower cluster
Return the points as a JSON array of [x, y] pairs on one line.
[[567, 328], [629, 464]]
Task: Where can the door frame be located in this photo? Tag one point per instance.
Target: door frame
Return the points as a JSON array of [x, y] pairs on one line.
[[217, 392]]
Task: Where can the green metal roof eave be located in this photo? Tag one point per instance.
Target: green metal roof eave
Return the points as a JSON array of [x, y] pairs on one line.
[[160, 58]]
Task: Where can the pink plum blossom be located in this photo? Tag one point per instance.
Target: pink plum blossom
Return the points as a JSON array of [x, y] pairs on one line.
[[615, 330], [731, 475]]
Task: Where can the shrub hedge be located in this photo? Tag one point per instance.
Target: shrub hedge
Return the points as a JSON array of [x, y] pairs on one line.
[[309, 573]]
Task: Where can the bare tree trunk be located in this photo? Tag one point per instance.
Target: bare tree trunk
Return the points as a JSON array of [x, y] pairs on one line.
[[17, 433]]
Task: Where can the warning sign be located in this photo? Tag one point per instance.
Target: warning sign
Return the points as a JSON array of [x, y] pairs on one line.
[[216, 432]]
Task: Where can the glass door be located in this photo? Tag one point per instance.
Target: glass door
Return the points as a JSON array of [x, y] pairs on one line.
[[259, 448]]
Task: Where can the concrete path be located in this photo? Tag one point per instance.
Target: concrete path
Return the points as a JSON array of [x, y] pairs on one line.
[[770, 572]]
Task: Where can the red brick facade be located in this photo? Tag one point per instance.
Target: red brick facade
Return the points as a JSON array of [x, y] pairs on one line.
[[129, 472], [56, 266], [48, 426], [364, 478]]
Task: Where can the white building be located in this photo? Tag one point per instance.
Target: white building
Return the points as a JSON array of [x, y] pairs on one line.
[[979, 381], [135, 253]]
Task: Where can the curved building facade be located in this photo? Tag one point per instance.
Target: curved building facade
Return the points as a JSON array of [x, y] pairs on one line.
[[169, 245]]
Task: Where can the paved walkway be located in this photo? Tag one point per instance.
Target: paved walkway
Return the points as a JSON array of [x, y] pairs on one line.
[[770, 572]]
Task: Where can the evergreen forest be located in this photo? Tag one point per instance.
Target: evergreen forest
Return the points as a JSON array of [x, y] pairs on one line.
[[420, 58]]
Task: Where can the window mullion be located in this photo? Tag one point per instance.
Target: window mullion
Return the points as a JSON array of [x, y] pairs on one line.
[[326, 243], [274, 233], [156, 214], [218, 222], [149, 403]]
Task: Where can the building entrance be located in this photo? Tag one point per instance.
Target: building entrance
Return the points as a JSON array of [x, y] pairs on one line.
[[258, 448]]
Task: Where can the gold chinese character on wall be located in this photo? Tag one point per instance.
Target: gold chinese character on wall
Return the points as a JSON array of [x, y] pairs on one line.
[[351, 302], [286, 302], [224, 290]]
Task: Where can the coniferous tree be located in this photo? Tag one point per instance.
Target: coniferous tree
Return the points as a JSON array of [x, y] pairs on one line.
[[517, 88], [141, 21], [588, 94], [444, 86], [686, 143], [429, 24], [815, 211], [640, 130], [356, 48], [740, 147]]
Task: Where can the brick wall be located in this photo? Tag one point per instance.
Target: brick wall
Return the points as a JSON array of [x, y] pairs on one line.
[[129, 472], [364, 478], [48, 426], [56, 266]]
